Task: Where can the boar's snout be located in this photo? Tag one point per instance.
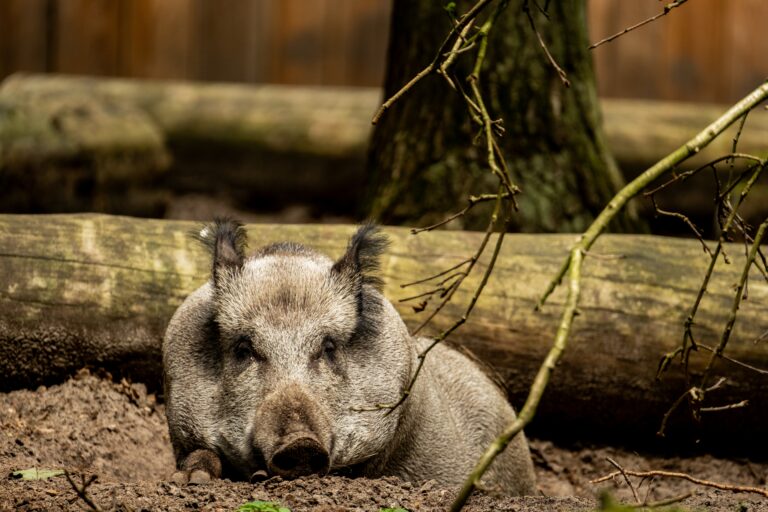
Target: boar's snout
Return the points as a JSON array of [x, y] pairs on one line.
[[301, 456], [293, 433]]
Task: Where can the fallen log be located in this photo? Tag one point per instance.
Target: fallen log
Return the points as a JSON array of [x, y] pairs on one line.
[[99, 290], [336, 121], [287, 144], [74, 152]]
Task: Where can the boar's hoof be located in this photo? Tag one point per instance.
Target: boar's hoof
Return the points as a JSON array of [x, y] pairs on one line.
[[199, 476], [180, 477], [302, 456], [196, 477]]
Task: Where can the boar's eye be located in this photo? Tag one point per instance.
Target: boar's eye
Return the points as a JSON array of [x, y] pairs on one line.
[[243, 349], [329, 349]]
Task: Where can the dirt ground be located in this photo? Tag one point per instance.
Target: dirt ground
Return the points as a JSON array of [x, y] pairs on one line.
[[117, 432]]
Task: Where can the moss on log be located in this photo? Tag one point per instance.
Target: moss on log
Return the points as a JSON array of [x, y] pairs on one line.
[[99, 290], [64, 137], [336, 121]]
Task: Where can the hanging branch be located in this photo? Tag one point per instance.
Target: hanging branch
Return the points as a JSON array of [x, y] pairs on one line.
[[434, 66], [667, 8], [453, 278], [572, 268]]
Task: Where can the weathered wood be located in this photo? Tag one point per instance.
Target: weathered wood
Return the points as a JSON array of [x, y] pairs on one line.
[[74, 152], [265, 141], [335, 121], [99, 290]]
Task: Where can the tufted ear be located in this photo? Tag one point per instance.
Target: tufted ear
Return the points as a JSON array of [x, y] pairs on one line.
[[226, 239], [361, 261]]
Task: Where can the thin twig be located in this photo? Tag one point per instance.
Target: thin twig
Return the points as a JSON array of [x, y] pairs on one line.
[[667, 8], [734, 361], [738, 295], [458, 323], [728, 407], [472, 201], [560, 72], [689, 322], [439, 274], [711, 164], [626, 478], [433, 66], [685, 476], [685, 219], [82, 489]]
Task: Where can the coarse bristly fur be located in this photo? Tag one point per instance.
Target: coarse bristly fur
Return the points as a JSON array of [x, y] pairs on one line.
[[362, 258], [226, 239], [279, 363]]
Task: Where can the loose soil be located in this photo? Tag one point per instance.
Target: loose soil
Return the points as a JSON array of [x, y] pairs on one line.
[[117, 432]]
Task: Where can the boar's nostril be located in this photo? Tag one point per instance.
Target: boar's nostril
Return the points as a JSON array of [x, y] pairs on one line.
[[304, 456]]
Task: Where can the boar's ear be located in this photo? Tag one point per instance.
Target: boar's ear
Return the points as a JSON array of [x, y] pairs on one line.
[[361, 261], [226, 239]]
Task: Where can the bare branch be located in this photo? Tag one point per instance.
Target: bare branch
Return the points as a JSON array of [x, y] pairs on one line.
[[667, 8], [560, 72], [685, 476]]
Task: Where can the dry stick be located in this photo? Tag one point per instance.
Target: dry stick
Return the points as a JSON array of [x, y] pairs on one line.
[[735, 361], [506, 188], [560, 72], [433, 66], [728, 407], [439, 274], [81, 490], [488, 124], [472, 201], [688, 332], [686, 349], [473, 261], [626, 478], [458, 323], [455, 51], [687, 174], [685, 219], [573, 270], [667, 8], [684, 476], [736, 300]]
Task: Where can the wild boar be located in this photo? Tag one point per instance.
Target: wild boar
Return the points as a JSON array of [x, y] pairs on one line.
[[276, 365]]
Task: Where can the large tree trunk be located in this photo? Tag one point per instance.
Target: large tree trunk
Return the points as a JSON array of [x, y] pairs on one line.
[[99, 290], [421, 159]]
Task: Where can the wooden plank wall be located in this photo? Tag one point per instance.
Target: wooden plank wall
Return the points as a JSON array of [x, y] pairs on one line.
[[329, 42], [708, 50]]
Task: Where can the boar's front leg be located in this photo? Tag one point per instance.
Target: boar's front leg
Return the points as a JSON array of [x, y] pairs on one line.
[[199, 467]]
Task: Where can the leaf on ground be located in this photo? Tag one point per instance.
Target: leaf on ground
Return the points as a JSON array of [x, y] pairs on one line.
[[262, 506], [36, 474]]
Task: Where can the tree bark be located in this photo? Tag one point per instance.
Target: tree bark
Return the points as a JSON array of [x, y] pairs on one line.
[[421, 160], [98, 290]]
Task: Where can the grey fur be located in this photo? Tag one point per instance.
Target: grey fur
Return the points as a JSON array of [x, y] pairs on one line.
[[273, 360]]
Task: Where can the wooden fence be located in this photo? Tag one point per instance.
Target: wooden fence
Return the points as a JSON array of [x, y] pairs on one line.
[[708, 50]]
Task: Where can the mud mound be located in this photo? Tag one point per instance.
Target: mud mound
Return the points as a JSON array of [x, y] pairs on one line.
[[116, 431]]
